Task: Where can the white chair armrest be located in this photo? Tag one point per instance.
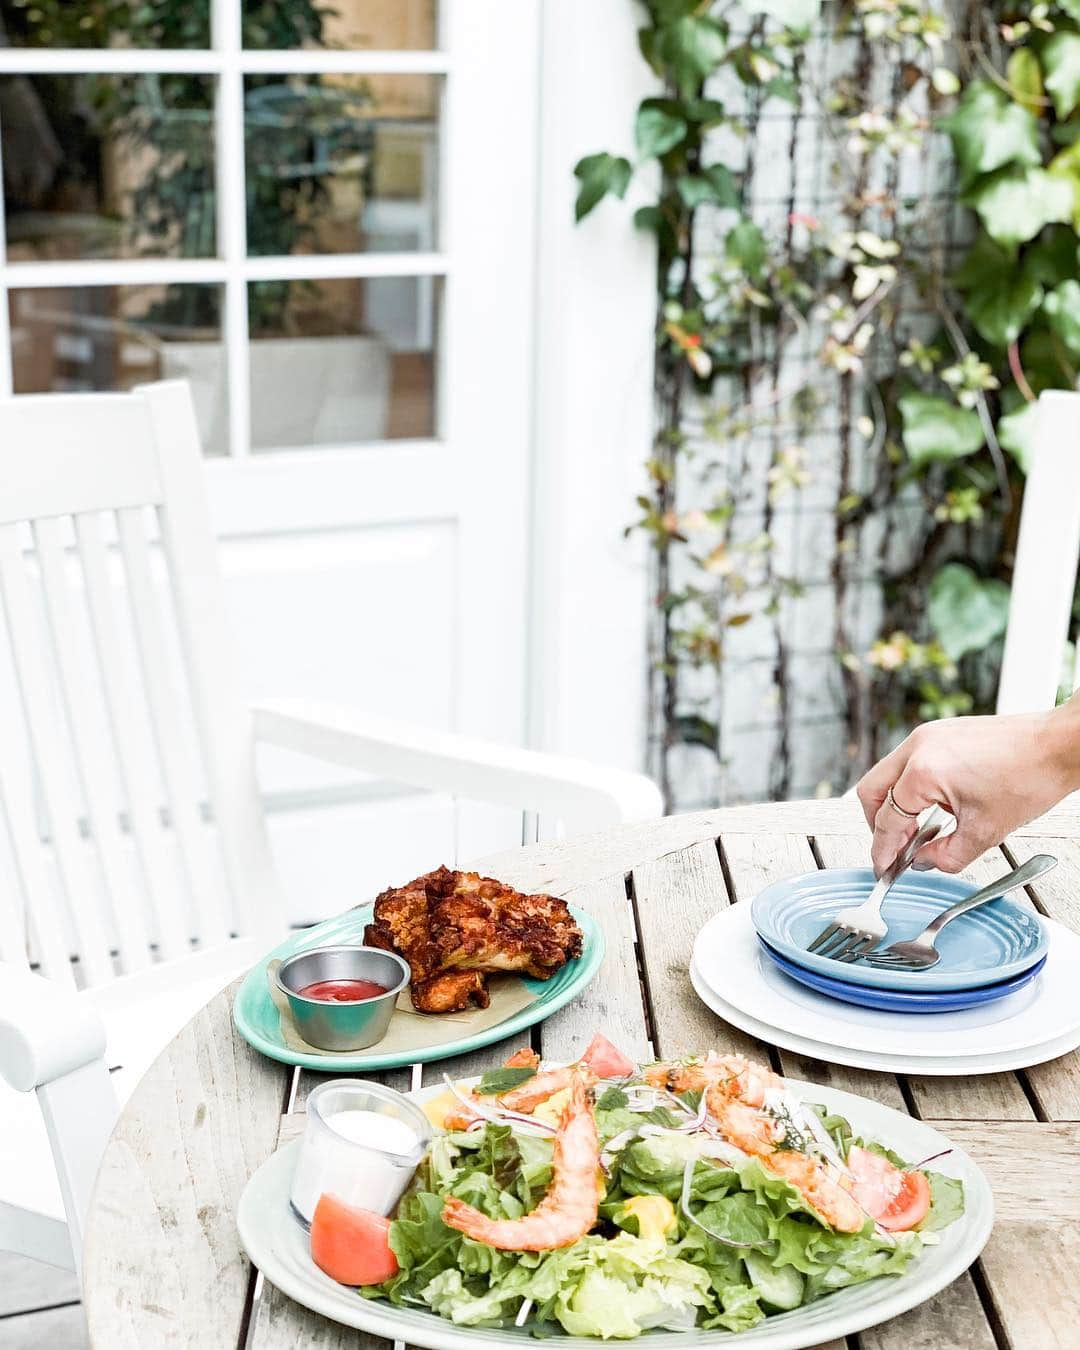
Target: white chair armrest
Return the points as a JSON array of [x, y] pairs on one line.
[[585, 796], [45, 1031]]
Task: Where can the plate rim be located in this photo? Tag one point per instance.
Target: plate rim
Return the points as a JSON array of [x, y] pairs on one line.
[[589, 963], [378, 1318], [941, 1067], [796, 972], [881, 978], [733, 915]]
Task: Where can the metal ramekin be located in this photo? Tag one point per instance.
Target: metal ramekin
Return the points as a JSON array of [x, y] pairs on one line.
[[342, 1026]]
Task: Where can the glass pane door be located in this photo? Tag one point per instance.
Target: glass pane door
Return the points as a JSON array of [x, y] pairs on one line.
[[242, 194]]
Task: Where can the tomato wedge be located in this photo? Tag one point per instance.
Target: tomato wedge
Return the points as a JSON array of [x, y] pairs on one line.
[[351, 1245], [897, 1199], [605, 1060]]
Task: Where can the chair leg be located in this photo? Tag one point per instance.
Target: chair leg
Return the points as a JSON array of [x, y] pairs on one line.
[[80, 1111]]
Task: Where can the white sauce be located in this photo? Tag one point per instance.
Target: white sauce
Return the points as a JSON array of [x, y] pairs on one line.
[[370, 1177]]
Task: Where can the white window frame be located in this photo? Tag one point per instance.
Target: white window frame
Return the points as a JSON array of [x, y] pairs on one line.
[[228, 62]]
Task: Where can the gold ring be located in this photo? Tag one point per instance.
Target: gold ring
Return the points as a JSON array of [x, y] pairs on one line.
[[908, 815]]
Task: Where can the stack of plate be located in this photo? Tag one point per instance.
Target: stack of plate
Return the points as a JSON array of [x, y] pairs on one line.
[[1002, 996]]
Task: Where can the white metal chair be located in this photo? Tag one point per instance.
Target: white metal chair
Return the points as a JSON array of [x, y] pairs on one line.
[[135, 875], [1047, 553]]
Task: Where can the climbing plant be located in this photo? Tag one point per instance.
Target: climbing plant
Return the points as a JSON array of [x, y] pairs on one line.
[[908, 317]]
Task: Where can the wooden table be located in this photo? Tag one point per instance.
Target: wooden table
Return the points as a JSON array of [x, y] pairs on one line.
[[163, 1264]]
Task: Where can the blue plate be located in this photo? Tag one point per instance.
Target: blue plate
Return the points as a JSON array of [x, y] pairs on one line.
[[903, 1000], [993, 943]]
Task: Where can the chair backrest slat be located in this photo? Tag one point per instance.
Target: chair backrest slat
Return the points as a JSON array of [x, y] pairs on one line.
[[130, 821], [164, 893], [88, 731], [1047, 551], [62, 811], [183, 794], [223, 720]]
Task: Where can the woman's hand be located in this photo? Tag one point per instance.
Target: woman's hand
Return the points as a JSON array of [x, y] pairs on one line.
[[993, 774]]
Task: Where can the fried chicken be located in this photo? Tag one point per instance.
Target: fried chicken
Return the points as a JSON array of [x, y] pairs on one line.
[[455, 928]]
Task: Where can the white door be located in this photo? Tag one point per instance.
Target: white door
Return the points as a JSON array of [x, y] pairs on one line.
[[326, 222]]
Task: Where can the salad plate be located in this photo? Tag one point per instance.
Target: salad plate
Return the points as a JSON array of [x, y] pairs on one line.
[[258, 1021], [941, 1066], [960, 1221], [901, 1000], [995, 942], [731, 959]]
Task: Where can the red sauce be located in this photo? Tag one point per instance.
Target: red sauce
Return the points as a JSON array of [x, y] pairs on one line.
[[342, 991]]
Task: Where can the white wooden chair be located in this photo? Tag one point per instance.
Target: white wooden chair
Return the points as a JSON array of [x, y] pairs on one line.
[[1047, 553], [135, 875]]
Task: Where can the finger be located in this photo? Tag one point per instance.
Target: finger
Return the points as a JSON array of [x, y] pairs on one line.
[[873, 787], [952, 853], [891, 829]]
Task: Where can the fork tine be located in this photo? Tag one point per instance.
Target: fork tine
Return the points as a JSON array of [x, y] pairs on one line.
[[824, 938], [850, 942], [867, 944], [837, 943]]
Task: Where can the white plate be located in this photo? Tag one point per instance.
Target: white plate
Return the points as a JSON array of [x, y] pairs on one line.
[[959, 1067], [277, 1244], [728, 954]]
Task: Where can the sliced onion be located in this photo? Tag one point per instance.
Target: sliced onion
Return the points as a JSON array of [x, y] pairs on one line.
[[523, 1312], [917, 1167], [527, 1123], [684, 1206]]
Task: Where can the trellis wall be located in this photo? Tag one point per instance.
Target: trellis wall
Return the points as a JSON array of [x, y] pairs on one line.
[[784, 443]]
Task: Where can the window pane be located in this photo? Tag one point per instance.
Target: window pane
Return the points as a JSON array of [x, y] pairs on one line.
[[342, 362], [107, 166], [341, 164], [114, 337], [382, 25], [89, 23]]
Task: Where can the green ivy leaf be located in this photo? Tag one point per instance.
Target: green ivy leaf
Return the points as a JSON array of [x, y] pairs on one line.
[[936, 430], [1061, 66], [693, 729], [745, 246], [1062, 310], [798, 15], [1066, 166], [703, 112], [1016, 434], [1071, 8], [989, 130], [599, 175], [1054, 256], [713, 184], [693, 47], [1024, 75], [657, 130], [1001, 297], [1015, 204], [966, 612]]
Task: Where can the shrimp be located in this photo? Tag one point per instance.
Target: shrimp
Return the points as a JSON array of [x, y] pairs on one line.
[[735, 1091], [571, 1205], [544, 1085], [525, 1058]]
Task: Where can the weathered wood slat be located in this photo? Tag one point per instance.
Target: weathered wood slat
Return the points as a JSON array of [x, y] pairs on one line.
[[1056, 1085], [612, 1003], [674, 896], [559, 865], [162, 1252]]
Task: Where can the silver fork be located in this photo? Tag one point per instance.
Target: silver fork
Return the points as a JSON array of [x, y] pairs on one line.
[[920, 953], [858, 929]]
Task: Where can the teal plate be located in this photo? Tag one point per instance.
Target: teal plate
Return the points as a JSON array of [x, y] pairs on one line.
[[256, 1017]]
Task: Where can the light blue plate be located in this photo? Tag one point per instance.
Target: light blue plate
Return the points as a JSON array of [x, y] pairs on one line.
[[257, 1021], [903, 1000], [990, 944]]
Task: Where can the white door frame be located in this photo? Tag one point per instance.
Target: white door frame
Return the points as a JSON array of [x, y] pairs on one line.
[[593, 398]]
